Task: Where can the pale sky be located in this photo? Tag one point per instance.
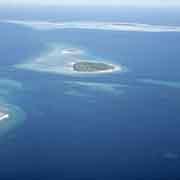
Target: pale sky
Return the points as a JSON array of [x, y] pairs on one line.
[[93, 2]]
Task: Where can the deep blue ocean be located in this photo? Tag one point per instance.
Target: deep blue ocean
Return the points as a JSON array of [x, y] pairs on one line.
[[79, 132]]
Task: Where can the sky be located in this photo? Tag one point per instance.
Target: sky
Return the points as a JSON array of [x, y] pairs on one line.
[[93, 2]]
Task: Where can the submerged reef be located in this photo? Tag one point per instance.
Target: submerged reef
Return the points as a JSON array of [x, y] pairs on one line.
[[61, 59], [11, 115], [91, 89], [96, 25], [157, 82]]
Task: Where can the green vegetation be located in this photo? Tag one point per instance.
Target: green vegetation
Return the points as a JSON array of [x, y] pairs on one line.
[[91, 67]]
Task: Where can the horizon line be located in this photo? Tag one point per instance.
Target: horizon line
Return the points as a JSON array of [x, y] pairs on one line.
[[33, 5]]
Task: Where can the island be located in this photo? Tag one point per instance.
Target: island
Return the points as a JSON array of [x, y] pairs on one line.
[[88, 67], [75, 61]]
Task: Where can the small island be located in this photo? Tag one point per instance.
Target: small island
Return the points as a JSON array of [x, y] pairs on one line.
[[93, 67]]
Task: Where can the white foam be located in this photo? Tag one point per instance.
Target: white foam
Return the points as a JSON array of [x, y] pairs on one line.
[[72, 51], [6, 116], [110, 26]]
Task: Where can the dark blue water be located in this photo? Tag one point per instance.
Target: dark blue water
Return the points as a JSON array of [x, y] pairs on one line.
[[97, 135]]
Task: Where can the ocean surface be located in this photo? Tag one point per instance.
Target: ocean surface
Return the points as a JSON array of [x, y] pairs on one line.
[[115, 126]]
